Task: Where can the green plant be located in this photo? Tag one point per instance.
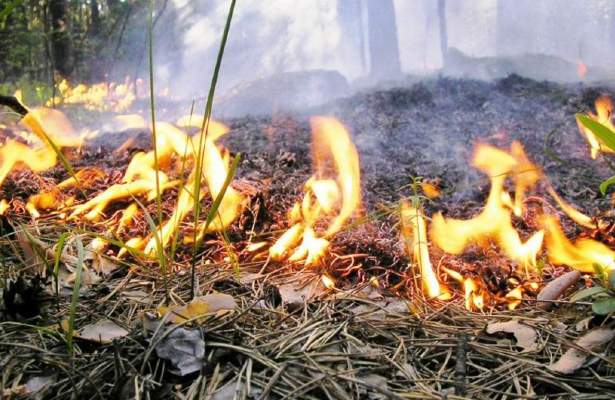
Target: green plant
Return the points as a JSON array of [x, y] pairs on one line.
[[602, 295], [606, 135]]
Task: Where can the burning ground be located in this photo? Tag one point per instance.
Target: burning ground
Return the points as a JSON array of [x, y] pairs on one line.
[[371, 327]]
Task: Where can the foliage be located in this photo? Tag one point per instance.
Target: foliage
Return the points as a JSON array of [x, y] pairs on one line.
[[602, 295], [606, 135]]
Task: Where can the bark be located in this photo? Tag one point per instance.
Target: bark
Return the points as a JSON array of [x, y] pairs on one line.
[[60, 39], [95, 19], [443, 31], [382, 39], [351, 22]]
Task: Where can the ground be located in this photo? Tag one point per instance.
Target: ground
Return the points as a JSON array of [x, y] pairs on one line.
[[352, 342]]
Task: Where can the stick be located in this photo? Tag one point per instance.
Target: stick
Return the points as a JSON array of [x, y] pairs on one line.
[[14, 104]]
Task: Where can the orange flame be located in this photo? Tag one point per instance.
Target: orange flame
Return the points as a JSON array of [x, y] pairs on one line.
[[333, 199], [494, 223], [583, 254], [57, 131], [604, 111], [581, 69], [101, 96], [413, 226]]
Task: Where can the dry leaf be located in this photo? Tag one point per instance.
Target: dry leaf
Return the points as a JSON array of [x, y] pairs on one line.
[[294, 295], [525, 335], [213, 303], [574, 358], [184, 348], [103, 331], [554, 289]]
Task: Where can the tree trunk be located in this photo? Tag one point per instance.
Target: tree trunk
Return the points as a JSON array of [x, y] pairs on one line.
[[443, 31], [60, 40], [382, 39], [351, 23], [95, 19]]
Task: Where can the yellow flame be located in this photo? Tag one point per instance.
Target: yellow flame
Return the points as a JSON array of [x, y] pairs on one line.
[[473, 297], [328, 281], [583, 254], [494, 222], [514, 297], [334, 199], [604, 111], [101, 96], [413, 226], [572, 212]]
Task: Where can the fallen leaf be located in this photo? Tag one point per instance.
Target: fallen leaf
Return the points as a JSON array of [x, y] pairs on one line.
[[213, 303], [103, 331], [184, 349], [294, 295], [525, 335], [574, 358], [554, 289]]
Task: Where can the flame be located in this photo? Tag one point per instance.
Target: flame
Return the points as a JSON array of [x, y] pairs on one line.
[[326, 198], [327, 281], [572, 212], [473, 296], [100, 97], [514, 297], [494, 222], [604, 110], [413, 226], [583, 254], [581, 69], [52, 129]]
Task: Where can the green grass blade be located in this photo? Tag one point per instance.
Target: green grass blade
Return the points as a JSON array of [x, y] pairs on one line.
[[206, 118], [75, 297], [601, 131], [56, 262], [605, 185]]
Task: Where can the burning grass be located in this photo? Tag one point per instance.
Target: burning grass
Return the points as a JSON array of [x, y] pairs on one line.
[[389, 317]]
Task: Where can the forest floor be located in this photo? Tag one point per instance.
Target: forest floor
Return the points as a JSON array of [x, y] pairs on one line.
[[354, 341]]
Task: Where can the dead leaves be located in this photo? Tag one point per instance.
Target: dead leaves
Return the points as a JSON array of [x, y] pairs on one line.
[[198, 308], [554, 289], [183, 348], [525, 335], [574, 358], [103, 332]]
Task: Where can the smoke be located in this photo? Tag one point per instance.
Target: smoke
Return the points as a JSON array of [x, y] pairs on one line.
[[487, 39]]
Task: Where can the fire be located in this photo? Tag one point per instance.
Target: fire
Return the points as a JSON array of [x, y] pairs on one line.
[[604, 111], [327, 199], [102, 96], [51, 129], [143, 179], [583, 254], [414, 227], [494, 223], [581, 69]]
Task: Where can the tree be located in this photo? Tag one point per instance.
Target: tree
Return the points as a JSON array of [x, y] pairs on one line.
[[382, 39], [443, 31], [351, 23], [60, 39]]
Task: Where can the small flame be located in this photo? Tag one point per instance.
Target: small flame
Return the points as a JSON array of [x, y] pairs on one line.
[[328, 282], [604, 111], [473, 297], [495, 221], [514, 297], [100, 97], [581, 69], [413, 226], [334, 199]]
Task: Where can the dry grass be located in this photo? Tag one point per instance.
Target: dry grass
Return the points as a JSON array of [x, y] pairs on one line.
[[344, 345]]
